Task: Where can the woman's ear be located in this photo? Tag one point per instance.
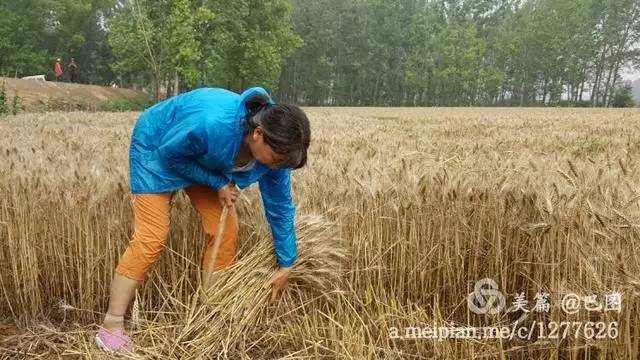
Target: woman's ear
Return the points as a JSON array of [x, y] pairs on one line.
[[257, 134]]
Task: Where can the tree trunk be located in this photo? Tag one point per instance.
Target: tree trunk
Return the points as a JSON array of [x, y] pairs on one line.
[[156, 88], [613, 86], [168, 90], [375, 90], [522, 90], [605, 95], [596, 83], [176, 85]]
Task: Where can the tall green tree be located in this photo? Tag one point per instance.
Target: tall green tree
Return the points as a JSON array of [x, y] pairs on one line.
[[183, 47], [137, 44], [249, 39], [234, 44], [23, 37], [39, 31]]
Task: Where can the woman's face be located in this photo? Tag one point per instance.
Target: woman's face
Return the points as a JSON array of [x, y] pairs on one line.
[[262, 152]]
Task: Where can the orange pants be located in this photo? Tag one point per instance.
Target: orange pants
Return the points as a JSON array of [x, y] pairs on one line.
[[151, 230]]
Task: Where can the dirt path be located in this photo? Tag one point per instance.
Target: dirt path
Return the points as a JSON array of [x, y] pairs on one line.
[[48, 95]]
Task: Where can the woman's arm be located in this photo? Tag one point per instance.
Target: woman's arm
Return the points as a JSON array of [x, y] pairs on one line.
[[275, 188], [179, 153]]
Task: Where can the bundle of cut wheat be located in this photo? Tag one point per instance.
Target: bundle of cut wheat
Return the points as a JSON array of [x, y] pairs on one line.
[[238, 305]]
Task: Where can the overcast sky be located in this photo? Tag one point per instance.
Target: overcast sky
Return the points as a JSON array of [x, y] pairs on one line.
[[630, 74]]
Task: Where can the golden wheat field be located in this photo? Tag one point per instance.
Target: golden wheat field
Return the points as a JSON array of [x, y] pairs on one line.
[[400, 212]]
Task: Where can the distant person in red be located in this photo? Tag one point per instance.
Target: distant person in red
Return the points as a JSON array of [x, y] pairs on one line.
[[58, 70], [72, 68]]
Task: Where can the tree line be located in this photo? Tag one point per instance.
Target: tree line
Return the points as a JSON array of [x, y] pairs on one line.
[[338, 52]]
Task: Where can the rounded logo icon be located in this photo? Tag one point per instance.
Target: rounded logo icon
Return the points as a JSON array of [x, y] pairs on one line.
[[486, 298]]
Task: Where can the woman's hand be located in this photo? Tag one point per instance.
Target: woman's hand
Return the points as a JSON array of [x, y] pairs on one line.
[[228, 194], [278, 281]]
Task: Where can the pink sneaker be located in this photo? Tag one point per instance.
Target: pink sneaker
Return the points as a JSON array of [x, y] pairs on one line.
[[112, 342]]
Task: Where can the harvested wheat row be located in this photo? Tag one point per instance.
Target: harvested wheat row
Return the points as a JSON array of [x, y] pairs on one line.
[[238, 303]]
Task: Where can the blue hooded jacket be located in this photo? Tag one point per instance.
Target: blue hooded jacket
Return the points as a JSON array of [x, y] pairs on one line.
[[194, 138]]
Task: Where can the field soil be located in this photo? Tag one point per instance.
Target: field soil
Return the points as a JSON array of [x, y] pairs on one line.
[[51, 95]]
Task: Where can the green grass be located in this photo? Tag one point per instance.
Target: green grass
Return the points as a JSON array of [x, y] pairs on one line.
[[119, 105]]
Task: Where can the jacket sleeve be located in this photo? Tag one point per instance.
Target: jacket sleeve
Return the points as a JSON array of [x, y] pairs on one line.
[[275, 188], [180, 151]]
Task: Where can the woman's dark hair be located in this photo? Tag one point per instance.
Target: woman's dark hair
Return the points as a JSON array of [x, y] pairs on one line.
[[286, 129]]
